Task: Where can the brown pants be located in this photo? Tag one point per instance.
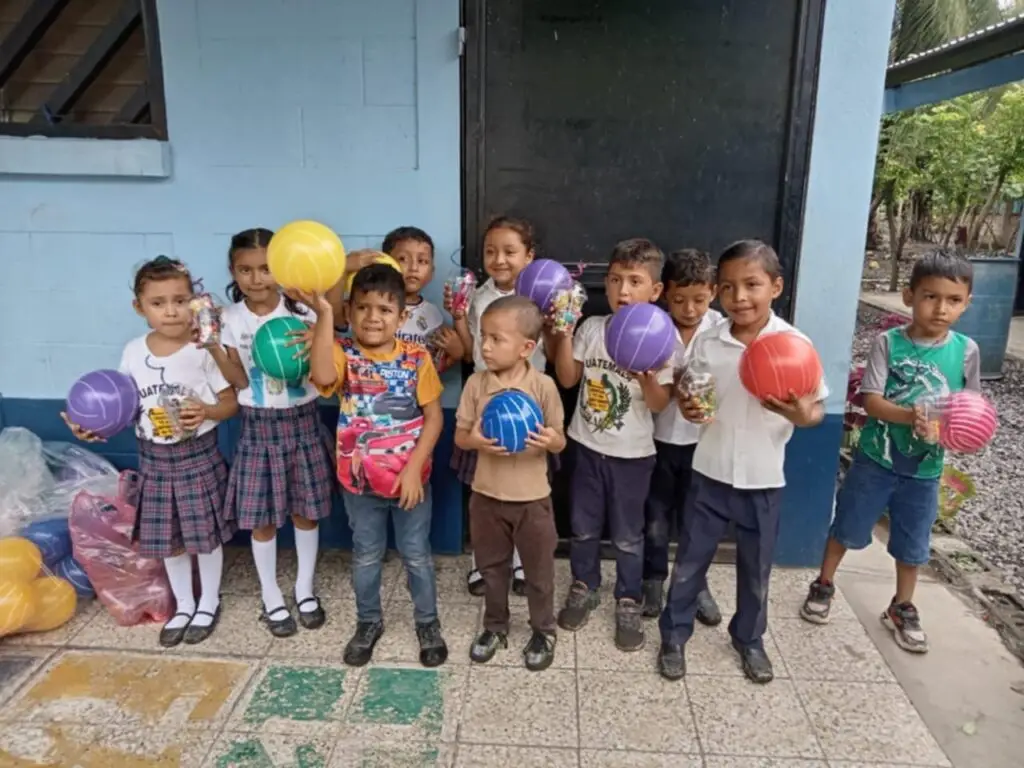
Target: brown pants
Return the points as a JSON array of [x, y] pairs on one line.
[[495, 529]]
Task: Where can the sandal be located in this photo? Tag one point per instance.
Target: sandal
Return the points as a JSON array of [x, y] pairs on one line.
[[195, 634], [283, 626], [172, 637], [312, 619]]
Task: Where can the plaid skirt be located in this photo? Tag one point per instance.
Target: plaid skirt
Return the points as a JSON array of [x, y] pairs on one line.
[[281, 468], [464, 464], [179, 498]]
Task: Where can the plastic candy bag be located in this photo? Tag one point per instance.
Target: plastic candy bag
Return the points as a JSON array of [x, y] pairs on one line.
[[567, 308], [462, 287]]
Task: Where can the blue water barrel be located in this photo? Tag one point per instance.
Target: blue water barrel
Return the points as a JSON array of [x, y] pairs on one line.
[[987, 320]]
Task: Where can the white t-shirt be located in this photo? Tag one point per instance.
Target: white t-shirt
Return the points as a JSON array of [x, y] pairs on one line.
[[484, 296], [611, 416], [165, 382], [744, 445], [239, 327], [424, 321], [669, 425]]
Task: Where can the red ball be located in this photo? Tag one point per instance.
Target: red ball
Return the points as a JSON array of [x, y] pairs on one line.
[[968, 422], [777, 363]]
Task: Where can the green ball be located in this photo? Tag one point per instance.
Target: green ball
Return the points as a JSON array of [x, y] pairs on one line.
[[270, 354]]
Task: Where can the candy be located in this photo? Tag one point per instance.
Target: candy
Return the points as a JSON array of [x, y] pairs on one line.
[[567, 308], [461, 287], [700, 387], [205, 319]]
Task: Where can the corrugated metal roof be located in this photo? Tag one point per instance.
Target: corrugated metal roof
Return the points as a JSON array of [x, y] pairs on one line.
[[979, 34]]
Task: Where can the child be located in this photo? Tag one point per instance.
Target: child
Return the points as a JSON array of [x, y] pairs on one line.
[[737, 465], [898, 464], [508, 248], [388, 425], [689, 280], [511, 501], [613, 434], [281, 467], [182, 475]]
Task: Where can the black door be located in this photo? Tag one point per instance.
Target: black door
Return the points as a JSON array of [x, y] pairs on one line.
[[685, 121]]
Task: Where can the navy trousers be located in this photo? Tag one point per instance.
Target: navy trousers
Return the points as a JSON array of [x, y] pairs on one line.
[[665, 504], [710, 507]]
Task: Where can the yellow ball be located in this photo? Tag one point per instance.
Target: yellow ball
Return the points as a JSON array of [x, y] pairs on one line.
[[307, 256], [20, 559], [379, 258], [17, 606], [55, 602]]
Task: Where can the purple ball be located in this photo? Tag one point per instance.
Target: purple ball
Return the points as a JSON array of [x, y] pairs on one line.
[[541, 280], [640, 337], [103, 402]]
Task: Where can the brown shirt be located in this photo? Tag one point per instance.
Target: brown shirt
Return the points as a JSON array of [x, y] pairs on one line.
[[519, 476]]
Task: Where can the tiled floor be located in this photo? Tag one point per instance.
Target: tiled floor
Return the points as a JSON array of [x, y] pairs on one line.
[[94, 695]]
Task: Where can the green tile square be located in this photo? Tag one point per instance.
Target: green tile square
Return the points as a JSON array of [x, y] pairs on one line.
[[412, 697], [304, 694], [251, 753]]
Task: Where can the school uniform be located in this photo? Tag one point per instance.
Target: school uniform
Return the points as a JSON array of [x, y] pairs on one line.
[[737, 478]]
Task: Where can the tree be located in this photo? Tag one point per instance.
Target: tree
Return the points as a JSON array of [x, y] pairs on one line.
[[920, 25]]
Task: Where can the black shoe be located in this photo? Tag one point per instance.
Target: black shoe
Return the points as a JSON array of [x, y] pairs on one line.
[[518, 582], [486, 645], [279, 621], [653, 592], [196, 634], [172, 637], [671, 661], [818, 604], [578, 605], [708, 613], [315, 618], [359, 649], [474, 583], [905, 624], [629, 625], [540, 651], [756, 664], [433, 649]]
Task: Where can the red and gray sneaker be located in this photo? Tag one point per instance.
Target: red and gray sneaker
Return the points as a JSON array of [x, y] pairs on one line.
[[818, 603], [905, 624]]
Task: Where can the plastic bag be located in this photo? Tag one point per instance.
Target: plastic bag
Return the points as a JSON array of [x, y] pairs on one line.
[[76, 469], [133, 589], [24, 478]]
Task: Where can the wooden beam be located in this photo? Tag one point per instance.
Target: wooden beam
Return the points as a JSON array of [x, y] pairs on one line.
[[91, 64], [134, 108], [26, 34]]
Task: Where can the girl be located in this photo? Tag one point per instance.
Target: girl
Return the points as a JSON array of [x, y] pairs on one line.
[[508, 248], [182, 475], [281, 466]]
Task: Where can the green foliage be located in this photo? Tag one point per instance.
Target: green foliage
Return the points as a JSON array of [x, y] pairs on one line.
[[920, 25]]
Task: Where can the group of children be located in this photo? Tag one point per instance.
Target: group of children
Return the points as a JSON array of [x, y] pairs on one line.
[[636, 439]]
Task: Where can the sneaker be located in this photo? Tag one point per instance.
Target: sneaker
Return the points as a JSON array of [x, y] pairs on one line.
[[629, 625], [433, 649], [653, 592], [519, 582], [708, 613], [756, 664], [671, 661], [475, 583], [905, 624], [359, 649], [578, 605], [818, 603], [486, 645], [540, 651]]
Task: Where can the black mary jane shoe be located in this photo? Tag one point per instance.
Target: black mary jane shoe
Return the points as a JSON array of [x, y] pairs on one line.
[[172, 637], [283, 625], [312, 619], [196, 634]]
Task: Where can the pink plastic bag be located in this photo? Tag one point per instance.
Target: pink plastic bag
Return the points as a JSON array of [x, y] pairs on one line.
[[132, 589]]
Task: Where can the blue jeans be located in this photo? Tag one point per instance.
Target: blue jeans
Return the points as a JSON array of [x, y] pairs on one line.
[[368, 519]]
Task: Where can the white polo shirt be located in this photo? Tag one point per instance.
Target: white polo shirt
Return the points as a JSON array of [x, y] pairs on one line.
[[483, 297], [745, 444], [669, 425]]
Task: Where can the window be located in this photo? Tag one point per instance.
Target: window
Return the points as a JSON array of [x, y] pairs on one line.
[[81, 68]]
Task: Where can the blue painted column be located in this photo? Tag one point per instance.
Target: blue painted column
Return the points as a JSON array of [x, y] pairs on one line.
[[851, 82]]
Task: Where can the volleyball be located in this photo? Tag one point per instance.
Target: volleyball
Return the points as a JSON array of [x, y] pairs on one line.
[[640, 337], [103, 402], [17, 604], [379, 258], [55, 602], [270, 354], [776, 364], [307, 256], [509, 417], [52, 537], [541, 281], [968, 422], [20, 559], [74, 574]]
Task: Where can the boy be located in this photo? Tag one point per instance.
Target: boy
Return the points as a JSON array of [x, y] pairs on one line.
[[511, 502], [613, 434], [737, 465], [689, 280], [388, 425], [899, 463]]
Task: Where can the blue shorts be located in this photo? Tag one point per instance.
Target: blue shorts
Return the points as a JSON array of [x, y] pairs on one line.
[[868, 491]]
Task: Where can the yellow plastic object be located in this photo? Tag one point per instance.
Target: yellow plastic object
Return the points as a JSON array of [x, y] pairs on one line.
[[307, 256], [17, 606], [55, 602], [20, 559], [379, 258]]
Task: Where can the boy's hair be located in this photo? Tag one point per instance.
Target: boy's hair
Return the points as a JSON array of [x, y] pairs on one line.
[[756, 250], [688, 266], [521, 227], [397, 235], [943, 262], [380, 278], [639, 252], [529, 319], [158, 269], [248, 239]]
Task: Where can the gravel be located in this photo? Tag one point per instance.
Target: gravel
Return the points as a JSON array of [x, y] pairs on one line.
[[993, 521]]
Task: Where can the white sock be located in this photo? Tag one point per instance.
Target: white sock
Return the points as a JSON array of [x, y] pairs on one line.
[[264, 554], [210, 568], [306, 545], [517, 563], [474, 574], [179, 574]]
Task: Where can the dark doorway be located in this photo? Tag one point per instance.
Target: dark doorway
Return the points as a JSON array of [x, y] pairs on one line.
[[685, 121]]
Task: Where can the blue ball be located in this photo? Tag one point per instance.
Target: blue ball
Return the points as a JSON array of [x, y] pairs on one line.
[[509, 417], [52, 537], [72, 572]]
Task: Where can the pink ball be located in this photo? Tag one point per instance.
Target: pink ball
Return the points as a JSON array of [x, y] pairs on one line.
[[968, 422]]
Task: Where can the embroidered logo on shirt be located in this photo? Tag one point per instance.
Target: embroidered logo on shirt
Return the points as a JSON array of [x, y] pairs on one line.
[[604, 403]]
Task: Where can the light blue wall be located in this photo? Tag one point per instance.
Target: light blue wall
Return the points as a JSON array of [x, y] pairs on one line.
[[344, 111]]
